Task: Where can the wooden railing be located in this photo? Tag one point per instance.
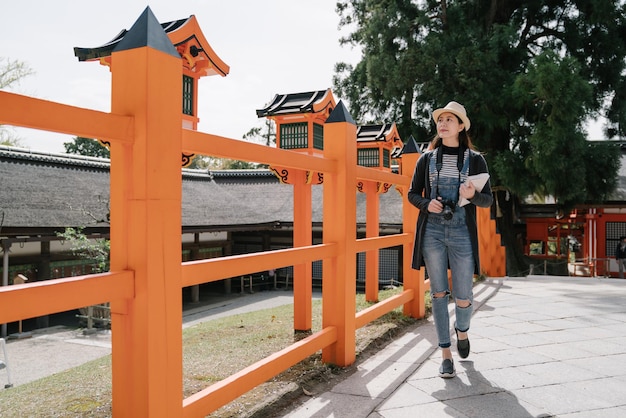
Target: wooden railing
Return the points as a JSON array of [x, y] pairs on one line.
[[147, 273]]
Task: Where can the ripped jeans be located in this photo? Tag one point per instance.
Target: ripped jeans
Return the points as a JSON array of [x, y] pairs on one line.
[[443, 246]]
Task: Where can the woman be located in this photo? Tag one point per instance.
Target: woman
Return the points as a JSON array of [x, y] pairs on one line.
[[446, 235]]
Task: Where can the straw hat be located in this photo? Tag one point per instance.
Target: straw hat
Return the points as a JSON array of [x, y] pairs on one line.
[[455, 108]]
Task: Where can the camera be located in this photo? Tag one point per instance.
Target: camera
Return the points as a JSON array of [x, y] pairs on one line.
[[448, 208]]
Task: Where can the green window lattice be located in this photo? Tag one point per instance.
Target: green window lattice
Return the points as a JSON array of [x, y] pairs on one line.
[[187, 95], [318, 136], [386, 158], [368, 157], [294, 135]]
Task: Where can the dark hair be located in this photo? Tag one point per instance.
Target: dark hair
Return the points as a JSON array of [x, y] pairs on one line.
[[464, 139]]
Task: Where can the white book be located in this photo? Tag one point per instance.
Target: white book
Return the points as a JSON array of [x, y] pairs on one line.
[[479, 181]]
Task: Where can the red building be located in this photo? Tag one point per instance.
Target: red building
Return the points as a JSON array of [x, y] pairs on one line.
[[585, 239]]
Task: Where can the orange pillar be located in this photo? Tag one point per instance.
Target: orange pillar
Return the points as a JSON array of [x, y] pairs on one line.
[[412, 279], [491, 251], [482, 220], [372, 229], [146, 184], [339, 281], [302, 273], [499, 252]]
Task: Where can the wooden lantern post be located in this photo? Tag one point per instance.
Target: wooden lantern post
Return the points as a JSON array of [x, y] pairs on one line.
[[198, 59], [412, 279], [375, 146], [299, 119], [339, 286]]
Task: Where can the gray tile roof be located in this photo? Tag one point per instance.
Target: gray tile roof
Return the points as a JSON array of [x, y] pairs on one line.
[[48, 190], [283, 104], [61, 190], [374, 132]]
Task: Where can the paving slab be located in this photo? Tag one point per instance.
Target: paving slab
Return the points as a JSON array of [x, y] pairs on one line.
[[542, 346]]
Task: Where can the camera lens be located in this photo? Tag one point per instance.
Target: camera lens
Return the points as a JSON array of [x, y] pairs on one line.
[[447, 213]]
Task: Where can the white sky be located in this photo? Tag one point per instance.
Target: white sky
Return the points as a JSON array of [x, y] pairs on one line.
[[272, 47]]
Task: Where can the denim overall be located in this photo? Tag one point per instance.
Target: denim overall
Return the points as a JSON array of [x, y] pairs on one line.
[[447, 244]]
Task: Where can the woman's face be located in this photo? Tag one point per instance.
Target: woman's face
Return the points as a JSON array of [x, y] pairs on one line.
[[448, 126]]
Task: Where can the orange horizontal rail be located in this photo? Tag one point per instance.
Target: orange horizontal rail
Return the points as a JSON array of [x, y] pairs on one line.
[[63, 294], [373, 174], [232, 387], [374, 243], [210, 270], [377, 310], [219, 146], [28, 112]]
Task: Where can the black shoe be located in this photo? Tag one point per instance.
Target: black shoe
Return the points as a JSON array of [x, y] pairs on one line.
[[447, 369], [462, 346]]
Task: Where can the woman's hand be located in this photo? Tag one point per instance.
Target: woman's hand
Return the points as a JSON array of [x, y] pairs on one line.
[[467, 190], [435, 206]]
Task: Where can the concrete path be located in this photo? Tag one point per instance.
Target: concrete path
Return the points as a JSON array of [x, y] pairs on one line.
[[542, 346]]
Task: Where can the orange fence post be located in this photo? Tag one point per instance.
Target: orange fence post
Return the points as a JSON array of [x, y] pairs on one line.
[[339, 272], [302, 273], [146, 188], [492, 254], [412, 279], [484, 237], [372, 229]]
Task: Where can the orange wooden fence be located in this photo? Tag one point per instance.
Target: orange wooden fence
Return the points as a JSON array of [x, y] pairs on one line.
[[147, 274]]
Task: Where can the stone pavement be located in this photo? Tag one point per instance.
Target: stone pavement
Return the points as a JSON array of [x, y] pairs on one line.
[[542, 346]]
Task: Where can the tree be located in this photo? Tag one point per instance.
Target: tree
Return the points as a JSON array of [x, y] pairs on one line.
[[9, 137], [11, 73], [86, 146], [95, 250], [529, 73], [265, 134]]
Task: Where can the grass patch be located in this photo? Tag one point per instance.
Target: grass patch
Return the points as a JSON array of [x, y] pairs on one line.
[[212, 351]]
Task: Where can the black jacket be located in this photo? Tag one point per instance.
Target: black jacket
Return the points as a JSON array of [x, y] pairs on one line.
[[420, 187]]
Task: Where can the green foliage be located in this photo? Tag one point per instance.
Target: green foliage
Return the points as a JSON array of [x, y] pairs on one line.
[[529, 73], [203, 162], [200, 162], [97, 250], [86, 146], [554, 96]]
